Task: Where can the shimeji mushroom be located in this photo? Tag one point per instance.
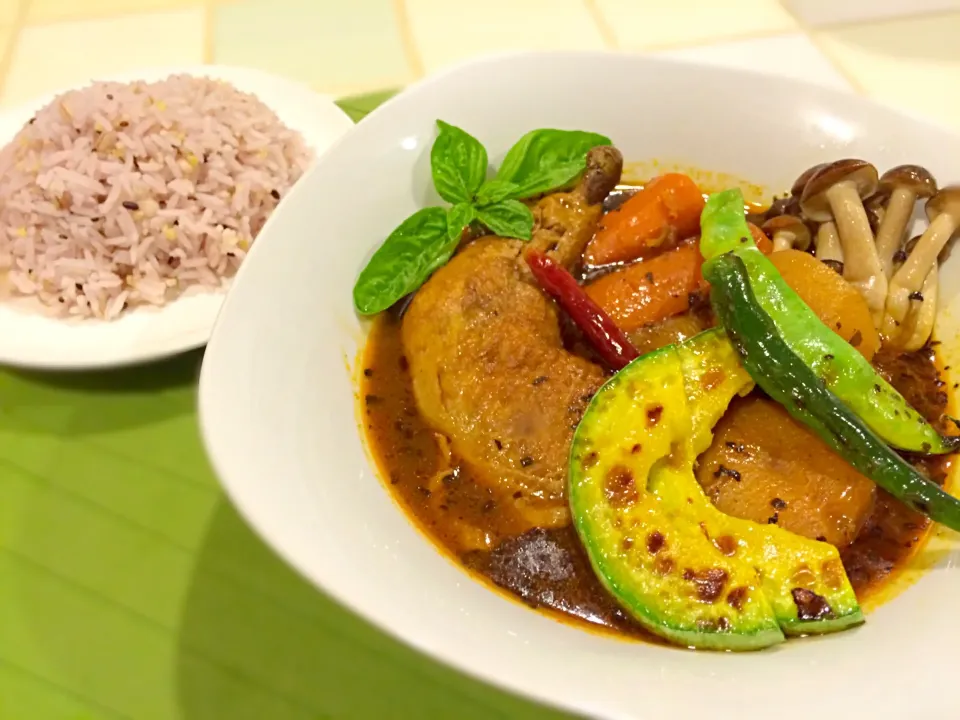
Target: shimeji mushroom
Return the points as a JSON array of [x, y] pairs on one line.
[[905, 184], [921, 318], [836, 193], [827, 248], [943, 211], [787, 231], [801, 182], [790, 204]]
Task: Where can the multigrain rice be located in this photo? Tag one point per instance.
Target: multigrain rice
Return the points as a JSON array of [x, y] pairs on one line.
[[118, 195]]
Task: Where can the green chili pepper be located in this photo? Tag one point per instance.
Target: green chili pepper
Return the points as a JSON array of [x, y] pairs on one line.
[[844, 370], [789, 381]]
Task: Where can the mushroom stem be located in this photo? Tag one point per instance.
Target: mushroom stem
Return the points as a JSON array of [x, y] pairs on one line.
[[861, 266], [911, 275], [783, 240], [893, 225], [922, 316], [828, 248]]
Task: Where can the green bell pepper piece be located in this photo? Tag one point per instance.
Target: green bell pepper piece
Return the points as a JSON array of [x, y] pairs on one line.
[[834, 361], [789, 381]]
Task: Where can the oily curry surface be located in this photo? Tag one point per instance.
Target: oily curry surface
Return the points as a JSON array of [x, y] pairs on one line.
[[546, 567]]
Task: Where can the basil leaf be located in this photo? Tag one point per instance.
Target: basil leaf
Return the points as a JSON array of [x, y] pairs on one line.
[[509, 219], [493, 191], [544, 160], [458, 218], [458, 162], [403, 263]]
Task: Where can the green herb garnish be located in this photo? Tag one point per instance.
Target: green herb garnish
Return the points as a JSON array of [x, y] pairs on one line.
[[542, 161]]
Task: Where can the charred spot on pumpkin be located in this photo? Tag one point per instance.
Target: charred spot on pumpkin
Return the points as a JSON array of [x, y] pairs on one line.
[[655, 542], [720, 624], [709, 583], [590, 459], [653, 415], [619, 487], [737, 597], [637, 447], [811, 606], [663, 565], [856, 338], [727, 544], [735, 446], [713, 378], [778, 504], [626, 543]]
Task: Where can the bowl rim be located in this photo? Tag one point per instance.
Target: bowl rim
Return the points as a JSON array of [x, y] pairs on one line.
[[423, 643]]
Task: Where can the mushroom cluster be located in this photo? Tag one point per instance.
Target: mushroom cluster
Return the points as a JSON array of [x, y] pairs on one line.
[[856, 221]]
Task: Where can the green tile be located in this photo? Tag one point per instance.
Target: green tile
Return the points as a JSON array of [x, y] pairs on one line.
[[24, 697], [20, 447], [168, 438], [70, 639], [359, 106], [208, 692], [334, 47], [170, 506], [74, 640], [96, 551]]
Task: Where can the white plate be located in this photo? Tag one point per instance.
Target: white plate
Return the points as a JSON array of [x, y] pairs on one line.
[[277, 398], [30, 339]]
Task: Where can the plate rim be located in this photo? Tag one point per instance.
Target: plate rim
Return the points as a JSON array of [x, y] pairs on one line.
[[193, 337]]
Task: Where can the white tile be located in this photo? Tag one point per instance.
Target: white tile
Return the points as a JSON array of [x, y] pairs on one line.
[[643, 24], [8, 12], [446, 31], [793, 56], [827, 12], [891, 63], [339, 48], [89, 49]]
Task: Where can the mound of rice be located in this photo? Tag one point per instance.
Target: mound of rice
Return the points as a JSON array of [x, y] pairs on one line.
[[119, 195]]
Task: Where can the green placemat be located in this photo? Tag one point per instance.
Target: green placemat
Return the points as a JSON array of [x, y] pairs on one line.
[[130, 588]]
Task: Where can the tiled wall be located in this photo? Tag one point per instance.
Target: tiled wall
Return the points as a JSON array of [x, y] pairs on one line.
[[904, 52]]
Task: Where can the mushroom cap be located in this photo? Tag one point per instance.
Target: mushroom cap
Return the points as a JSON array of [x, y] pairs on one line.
[[791, 224], [801, 182], [947, 200], [814, 201], [913, 177]]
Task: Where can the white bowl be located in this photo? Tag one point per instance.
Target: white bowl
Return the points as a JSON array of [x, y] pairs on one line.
[[31, 339], [277, 391]]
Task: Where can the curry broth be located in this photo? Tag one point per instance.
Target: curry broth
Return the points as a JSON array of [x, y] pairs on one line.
[[548, 569]]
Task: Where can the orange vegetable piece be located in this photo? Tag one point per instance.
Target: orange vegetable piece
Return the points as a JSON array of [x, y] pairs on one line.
[[656, 289], [835, 301], [664, 212], [776, 470], [650, 291]]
